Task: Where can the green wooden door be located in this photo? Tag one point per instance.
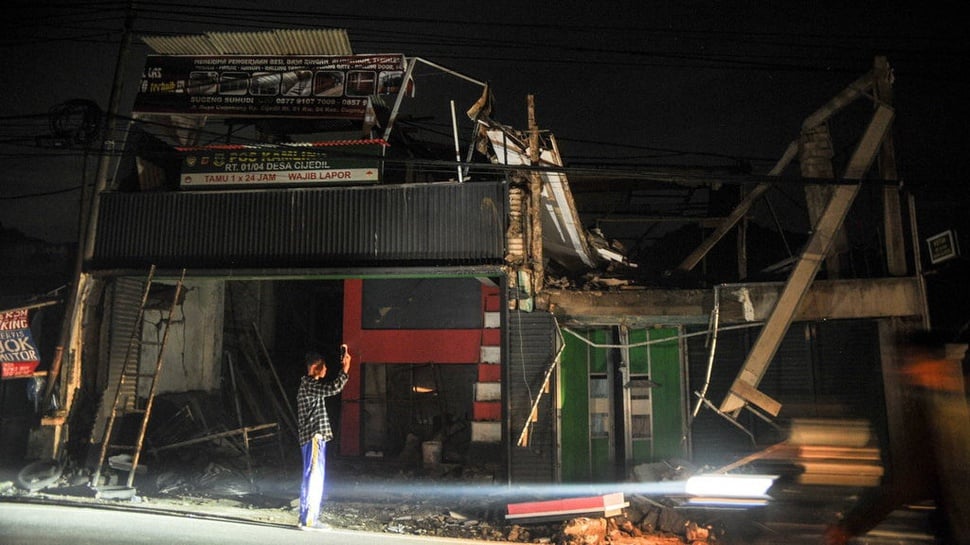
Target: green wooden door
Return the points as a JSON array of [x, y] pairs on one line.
[[654, 403], [657, 374]]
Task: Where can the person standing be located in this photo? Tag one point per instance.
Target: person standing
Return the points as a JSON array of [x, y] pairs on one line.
[[315, 431]]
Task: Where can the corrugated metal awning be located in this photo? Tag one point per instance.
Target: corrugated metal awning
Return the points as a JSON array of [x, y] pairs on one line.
[[323, 41], [420, 225]]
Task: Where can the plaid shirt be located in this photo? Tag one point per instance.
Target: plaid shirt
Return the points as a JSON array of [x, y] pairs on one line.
[[311, 411]]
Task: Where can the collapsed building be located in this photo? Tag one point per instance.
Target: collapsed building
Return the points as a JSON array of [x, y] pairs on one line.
[[274, 197]]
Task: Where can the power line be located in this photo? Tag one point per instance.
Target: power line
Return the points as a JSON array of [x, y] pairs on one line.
[[715, 57], [438, 129], [40, 194], [372, 18], [464, 47]]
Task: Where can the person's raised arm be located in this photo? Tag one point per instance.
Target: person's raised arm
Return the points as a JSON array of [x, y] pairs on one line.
[[345, 358]]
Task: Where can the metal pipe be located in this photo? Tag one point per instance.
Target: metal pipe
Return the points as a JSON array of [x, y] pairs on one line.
[[454, 132], [399, 99], [715, 318], [658, 341], [450, 71], [918, 261]]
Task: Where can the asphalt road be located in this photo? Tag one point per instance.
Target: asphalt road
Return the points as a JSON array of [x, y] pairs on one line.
[[36, 524]]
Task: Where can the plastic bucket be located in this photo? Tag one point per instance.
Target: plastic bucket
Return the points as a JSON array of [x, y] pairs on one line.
[[431, 453]]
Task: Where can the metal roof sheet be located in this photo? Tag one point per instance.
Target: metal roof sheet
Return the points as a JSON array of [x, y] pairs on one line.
[[322, 41]]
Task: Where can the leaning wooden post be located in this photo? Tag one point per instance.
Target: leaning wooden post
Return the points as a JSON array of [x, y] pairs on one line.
[[535, 210]]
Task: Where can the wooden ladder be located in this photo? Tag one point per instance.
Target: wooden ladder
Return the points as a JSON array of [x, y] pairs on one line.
[[126, 396]]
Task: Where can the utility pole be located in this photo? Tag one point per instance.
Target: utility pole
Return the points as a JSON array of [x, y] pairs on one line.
[[86, 235], [108, 146], [535, 209]]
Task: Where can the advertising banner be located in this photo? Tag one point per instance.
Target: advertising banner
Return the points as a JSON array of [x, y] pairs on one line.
[[269, 165], [328, 87], [18, 353]]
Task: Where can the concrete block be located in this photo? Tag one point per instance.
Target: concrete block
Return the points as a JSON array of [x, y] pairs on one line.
[[486, 432], [493, 320], [488, 391], [491, 354]]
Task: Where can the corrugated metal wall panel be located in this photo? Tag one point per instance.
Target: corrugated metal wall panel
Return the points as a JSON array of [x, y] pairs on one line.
[[849, 369], [426, 224], [791, 376], [532, 347], [125, 304]]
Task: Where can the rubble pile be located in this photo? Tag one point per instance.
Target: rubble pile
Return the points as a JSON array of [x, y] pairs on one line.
[[644, 522], [195, 461]]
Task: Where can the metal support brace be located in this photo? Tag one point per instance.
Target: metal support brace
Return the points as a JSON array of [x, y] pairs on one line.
[[408, 73]]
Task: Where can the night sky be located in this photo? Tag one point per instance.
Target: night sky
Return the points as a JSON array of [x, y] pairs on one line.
[[686, 83]]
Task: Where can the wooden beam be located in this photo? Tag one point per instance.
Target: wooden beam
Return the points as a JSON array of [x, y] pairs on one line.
[[808, 265], [892, 210], [752, 395], [855, 89], [739, 212], [815, 159], [535, 202], [240, 431]]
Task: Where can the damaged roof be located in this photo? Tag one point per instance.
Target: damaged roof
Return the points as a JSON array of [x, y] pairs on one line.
[[565, 239]]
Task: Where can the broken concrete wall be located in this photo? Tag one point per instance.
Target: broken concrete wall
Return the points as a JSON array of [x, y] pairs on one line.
[[192, 357]]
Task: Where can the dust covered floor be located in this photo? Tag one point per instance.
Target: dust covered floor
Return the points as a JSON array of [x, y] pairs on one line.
[[445, 500]]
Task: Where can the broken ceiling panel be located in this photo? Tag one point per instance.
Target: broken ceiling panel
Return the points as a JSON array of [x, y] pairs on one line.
[[564, 239]]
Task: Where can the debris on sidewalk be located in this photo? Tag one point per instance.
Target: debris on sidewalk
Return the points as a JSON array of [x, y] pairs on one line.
[[565, 508]]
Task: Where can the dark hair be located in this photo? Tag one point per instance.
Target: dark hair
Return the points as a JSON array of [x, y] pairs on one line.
[[312, 357]]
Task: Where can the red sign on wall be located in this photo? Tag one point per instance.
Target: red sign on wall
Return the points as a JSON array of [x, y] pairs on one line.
[[18, 353]]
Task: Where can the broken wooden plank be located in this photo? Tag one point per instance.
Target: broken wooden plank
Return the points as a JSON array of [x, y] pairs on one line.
[[738, 213], [276, 379], [262, 376], [753, 395], [240, 431], [769, 452]]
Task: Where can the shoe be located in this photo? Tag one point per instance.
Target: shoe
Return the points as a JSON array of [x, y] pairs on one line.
[[318, 526]]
